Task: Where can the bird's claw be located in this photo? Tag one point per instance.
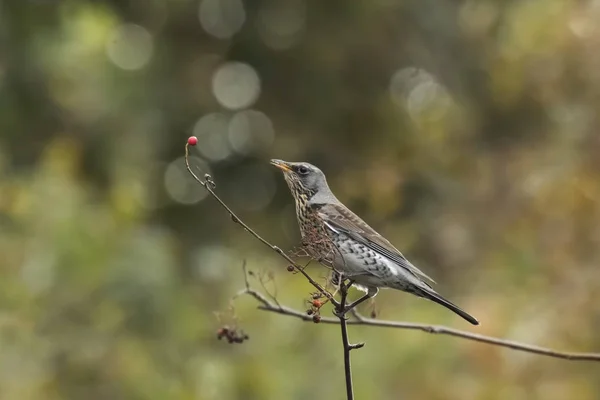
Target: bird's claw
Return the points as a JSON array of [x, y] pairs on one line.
[[341, 314]]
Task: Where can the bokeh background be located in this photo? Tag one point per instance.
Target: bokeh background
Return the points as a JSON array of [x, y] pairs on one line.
[[464, 131]]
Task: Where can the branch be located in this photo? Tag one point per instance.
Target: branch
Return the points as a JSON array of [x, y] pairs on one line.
[[209, 185], [342, 311], [276, 307], [434, 329]]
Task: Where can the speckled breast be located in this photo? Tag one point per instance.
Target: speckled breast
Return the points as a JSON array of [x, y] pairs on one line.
[[316, 238]]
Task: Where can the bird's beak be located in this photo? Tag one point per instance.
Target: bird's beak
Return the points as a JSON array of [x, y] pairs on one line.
[[282, 165]]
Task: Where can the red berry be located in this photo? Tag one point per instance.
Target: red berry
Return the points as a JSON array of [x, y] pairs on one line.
[[317, 303], [192, 140]]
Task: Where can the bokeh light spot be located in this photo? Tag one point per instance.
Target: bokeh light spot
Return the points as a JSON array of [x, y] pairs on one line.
[[281, 24], [211, 131], [212, 262], [179, 184], [236, 85], [250, 131], [130, 47], [222, 18], [419, 92], [405, 80]]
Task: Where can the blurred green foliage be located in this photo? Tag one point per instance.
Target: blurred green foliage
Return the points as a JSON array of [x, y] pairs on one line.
[[465, 131]]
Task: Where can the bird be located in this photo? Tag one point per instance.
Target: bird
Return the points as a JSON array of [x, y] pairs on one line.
[[341, 240]]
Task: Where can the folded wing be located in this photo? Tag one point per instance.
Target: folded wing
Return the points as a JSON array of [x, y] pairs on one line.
[[343, 220]]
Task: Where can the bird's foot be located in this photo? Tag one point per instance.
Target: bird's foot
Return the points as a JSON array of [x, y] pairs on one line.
[[344, 312], [341, 314]]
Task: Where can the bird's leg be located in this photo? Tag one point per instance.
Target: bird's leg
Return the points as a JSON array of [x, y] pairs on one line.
[[357, 302], [344, 287], [369, 295]]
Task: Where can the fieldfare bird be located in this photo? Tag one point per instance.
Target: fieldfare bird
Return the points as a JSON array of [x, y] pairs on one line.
[[338, 238]]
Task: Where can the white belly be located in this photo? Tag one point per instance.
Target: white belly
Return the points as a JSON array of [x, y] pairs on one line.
[[369, 268]]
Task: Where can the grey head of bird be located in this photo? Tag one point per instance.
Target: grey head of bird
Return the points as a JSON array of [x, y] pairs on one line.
[[305, 180]]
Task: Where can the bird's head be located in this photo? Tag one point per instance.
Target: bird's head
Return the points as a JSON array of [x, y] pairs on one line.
[[302, 178]]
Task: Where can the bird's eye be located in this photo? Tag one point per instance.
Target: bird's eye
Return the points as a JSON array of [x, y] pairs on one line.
[[302, 170]]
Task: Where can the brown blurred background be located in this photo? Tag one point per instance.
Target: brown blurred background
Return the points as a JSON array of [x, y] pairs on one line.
[[464, 131]]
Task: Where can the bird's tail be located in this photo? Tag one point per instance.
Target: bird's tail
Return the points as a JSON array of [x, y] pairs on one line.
[[433, 296]]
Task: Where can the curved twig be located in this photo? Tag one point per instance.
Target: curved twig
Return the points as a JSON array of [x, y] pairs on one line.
[[208, 184]]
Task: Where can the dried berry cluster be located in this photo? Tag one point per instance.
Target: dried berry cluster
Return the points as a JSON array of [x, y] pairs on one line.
[[232, 335], [315, 307]]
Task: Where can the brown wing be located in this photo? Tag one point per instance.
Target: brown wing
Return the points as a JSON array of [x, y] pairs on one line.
[[342, 219]]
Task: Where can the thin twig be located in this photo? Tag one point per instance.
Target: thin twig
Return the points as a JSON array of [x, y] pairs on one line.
[[208, 184], [245, 270], [263, 284], [434, 329]]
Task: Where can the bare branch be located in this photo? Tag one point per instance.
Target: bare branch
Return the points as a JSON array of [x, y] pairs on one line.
[[263, 284], [434, 329], [209, 185]]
